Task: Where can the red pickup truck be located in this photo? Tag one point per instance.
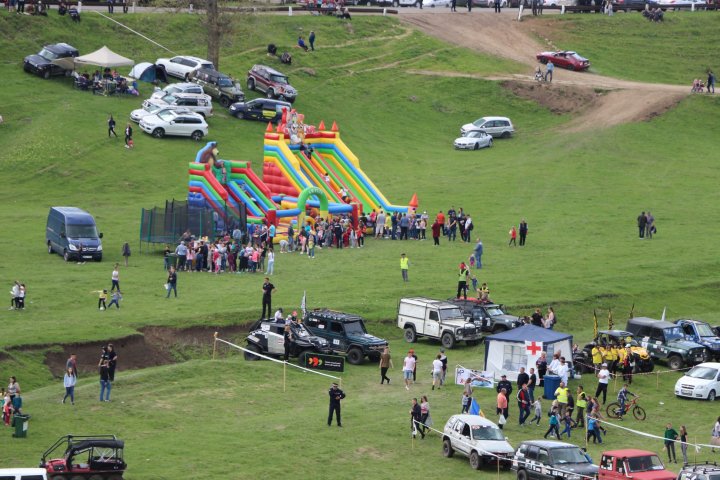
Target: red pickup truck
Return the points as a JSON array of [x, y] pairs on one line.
[[632, 463]]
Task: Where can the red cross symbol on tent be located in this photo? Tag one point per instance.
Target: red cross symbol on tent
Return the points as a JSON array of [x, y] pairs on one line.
[[533, 348]]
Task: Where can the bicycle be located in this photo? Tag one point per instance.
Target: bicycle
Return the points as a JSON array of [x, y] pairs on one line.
[[613, 410]]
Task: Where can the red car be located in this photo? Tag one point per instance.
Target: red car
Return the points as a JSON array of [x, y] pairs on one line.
[[565, 59]]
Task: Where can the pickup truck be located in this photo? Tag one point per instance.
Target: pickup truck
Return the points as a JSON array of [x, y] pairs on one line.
[[632, 463]]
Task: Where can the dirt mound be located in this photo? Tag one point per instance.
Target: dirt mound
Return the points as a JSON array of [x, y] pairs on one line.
[[502, 35], [557, 100]]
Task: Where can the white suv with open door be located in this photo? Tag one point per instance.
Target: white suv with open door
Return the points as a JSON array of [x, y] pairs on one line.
[[182, 65], [477, 438]]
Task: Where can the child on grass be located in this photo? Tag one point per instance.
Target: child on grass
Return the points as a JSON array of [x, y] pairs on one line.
[[116, 297], [554, 422], [537, 407], [102, 297], [465, 403], [569, 423], [6, 409]]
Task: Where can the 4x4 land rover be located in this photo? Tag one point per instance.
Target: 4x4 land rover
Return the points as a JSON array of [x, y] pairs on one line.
[[41, 63], [545, 459], [621, 338], [218, 85], [271, 82], [666, 341], [702, 333], [489, 316], [425, 317], [345, 333], [268, 338], [632, 463]]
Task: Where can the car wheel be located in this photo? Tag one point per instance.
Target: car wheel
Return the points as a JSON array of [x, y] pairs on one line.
[[301, 357], [249, 356], [711, 396], [410, 335], [50, 249], [355, 356], [251, 84], [571, 67], [505, 135], [158, 133], [447, 340], [46, 74], [197, 135], [522, 475], [475, 461], [224, 101], [477, 146], [66, 256], [675, 362], [447, 448], [490, 143], [270, 93]]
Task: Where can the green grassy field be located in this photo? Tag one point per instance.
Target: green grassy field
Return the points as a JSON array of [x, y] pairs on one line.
[[579, 192]]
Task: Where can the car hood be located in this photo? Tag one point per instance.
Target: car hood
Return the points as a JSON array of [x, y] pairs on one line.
[[507, 318], [654, 475], [466, 140], [695, 382], [684, 344], [139, 113], [367, 339], [37, 60], [580, 468], [462, 323], [468, 126], [494, 446], [711, 342], [86, 242]]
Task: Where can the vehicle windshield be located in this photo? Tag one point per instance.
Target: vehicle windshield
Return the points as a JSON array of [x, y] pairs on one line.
[[476, 134], [169, 99], [703, 373], [300, 330], [578, 57], [479, 122], [81, 231], [45, 53], [494, 311], [673, 333], [644, 464], [224, 82], [166, 116], [482, 432], [354, 328], [569, 455], [450, 313], [151, 107], [704, 330], [170, 89], [278, 78]]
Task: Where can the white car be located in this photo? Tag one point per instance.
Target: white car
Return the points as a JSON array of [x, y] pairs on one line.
[[177, 88], [496, 126], [174, 123], [475, 437], [702, 381], [678, 4], [436, 3], [182, 65], [473, 140], [198, 103], [152, 107]]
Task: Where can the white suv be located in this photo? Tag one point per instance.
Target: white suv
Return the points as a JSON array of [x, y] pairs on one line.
[[498, 127], [152, 107], [175, 123], [476, 437], [198, 103], [177, 88], [182, 65], [425, 317]]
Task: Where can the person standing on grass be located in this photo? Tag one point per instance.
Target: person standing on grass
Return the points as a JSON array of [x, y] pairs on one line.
[[270, 255], [128, 136], [415, 422], [715, 437], [404, 265], [462, 281], [710, 81], [105, 384], [436, 228], [116, 297], [603, 376], [111, 127], [13, 389], [478, 252], [649, 225], [670, 436], [115, 277], [580, 404], [171, 282], [311, 39], [71, 364], [69, 381], [336, 395], [531, 384], [425, 420], [444, 360], [513, 236], [641, 223], [523, 231], [683, 443], [268, 289], [409, 364], [126, 252], [524, 401], [502, 406], [549, 71], [437, 372], [385, 363]]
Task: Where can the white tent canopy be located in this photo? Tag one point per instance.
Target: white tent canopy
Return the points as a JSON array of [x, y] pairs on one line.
[[104, 58]]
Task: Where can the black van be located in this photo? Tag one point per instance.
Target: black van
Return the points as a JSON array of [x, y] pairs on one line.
[[71, 232]]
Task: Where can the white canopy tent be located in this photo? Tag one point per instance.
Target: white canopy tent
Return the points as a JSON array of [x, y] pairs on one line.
[[104, 57]]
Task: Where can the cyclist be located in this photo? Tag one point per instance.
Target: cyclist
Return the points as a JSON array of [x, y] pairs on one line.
[[622, 398]]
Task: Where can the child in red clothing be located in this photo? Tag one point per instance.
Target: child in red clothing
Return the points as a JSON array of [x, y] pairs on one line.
[[513, 237], [6, 409]]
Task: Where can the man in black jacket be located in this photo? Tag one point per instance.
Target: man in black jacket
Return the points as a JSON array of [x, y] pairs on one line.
[[415, 415], [504, 383], [523, 378], [641, 222], [335, 396]]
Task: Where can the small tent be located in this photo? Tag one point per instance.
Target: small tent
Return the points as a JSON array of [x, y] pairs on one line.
[[507, 351], [148, 72], [105, 58]]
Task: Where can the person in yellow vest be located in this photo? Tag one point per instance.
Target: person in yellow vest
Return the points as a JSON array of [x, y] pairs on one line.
[[611, 356], [620, 359], [597, 359], [580, 404], [603, 353], [404, 264], [561, 395]]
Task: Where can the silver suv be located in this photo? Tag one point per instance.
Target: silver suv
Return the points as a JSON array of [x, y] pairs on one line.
[[497, 127], [199, 103]]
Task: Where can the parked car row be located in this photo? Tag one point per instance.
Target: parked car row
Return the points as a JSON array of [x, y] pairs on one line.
[[480, 133]]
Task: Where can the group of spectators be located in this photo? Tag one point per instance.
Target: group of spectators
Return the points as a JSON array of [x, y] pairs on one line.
[[412, 225], [654, 14], [106, 82], [17, 296]]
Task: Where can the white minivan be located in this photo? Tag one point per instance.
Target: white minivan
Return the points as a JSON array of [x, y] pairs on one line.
[[702, 381], [498, 127], [23, 474]]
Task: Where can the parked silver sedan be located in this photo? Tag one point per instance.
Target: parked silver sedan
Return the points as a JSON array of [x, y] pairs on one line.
[[474, 140]]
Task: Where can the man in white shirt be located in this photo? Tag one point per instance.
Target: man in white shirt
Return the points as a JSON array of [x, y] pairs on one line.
[[555, 364], [408, 368], [603, 376], [563, 371], [437, 368], [279, 316]]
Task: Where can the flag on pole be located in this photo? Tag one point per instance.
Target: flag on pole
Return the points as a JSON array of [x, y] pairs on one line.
[[610, 320], [475, 408], [303, 307], [663, 315], [632, 310], [595, 325]]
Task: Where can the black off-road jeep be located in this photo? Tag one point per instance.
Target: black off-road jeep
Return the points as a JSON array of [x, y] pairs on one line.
[[346, 333]]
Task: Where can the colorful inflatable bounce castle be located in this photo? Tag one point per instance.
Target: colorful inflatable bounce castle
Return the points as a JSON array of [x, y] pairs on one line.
[[306, 171]]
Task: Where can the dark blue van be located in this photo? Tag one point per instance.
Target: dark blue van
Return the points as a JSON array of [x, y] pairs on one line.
[[71, 232]]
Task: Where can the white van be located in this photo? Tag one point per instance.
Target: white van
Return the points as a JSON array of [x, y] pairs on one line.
[[23, 474]]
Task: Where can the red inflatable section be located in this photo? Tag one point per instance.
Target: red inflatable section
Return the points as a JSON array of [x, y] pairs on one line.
[[276, 181]]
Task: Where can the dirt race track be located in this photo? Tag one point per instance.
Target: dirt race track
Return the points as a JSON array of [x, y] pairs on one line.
[[621, 101]]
